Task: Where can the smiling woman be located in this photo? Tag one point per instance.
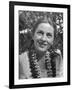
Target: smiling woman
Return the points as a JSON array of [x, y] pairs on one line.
[[43, 37], [40, 61]]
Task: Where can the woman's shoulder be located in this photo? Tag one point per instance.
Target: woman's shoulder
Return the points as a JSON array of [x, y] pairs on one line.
[[23, 56], [25, 71], [59, 63]]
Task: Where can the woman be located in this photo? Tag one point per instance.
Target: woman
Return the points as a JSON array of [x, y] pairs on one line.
[[41, 60]]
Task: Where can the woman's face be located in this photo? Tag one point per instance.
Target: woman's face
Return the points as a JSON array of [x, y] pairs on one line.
[[43, 37]]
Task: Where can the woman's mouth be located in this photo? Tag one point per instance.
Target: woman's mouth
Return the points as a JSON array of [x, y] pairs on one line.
[[42, 44]]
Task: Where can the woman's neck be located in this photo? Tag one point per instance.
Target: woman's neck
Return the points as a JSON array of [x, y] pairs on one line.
[[40, 54]]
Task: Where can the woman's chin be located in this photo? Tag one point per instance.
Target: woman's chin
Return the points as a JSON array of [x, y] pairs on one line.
[[41, 49]]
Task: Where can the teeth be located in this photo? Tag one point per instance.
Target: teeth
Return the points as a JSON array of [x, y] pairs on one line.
[[42, 43]]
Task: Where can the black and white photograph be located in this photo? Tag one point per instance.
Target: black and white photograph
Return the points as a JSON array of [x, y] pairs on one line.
[[40, 46]]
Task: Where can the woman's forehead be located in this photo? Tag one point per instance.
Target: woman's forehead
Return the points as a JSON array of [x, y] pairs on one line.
[[45, 27]]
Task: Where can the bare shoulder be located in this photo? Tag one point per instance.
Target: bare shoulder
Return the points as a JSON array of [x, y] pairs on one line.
[[59, 64], [24, 67], [23, 57], [24, 61]]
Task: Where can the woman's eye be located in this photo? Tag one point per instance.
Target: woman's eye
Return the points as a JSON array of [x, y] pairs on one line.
[[40, 33], [49, 35]]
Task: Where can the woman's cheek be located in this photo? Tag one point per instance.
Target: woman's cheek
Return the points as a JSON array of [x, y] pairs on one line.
[[38, 37], [50, 41]]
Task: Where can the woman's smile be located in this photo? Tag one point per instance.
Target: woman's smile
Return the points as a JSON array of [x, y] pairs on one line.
[[42, 44]]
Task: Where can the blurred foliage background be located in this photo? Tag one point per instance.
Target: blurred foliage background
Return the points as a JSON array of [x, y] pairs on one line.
[[27, 19]]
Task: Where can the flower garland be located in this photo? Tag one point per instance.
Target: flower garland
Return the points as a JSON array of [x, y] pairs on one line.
[[36, 73], [49, 63]]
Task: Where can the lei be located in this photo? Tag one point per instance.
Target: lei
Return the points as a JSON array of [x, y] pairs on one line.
[[49, 64]]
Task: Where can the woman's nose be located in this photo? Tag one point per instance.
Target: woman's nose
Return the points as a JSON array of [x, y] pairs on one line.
[[44, 38]]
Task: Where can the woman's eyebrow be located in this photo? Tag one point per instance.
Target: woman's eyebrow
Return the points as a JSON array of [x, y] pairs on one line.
[[40, 31], [49, 33]]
